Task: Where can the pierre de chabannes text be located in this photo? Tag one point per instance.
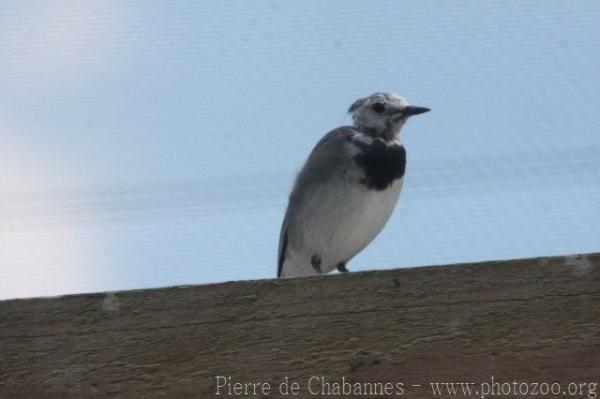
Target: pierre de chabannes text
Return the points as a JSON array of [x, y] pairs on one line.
[[320, 385]]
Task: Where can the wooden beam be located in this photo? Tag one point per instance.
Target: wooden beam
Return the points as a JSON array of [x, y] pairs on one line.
[[526, 321]]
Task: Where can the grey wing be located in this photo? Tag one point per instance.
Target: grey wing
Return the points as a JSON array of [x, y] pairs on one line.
[[318, 168]]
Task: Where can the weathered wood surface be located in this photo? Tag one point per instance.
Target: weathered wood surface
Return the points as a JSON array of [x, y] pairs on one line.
[[534, 320]]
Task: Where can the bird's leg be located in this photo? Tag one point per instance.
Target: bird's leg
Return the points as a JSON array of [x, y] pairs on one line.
[[316, 262], [342, 267]]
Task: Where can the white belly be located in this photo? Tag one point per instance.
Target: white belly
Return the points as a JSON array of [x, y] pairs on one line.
[[340, 223]]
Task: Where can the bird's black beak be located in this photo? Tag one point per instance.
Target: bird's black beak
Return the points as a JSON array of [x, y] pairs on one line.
[[413, 110]]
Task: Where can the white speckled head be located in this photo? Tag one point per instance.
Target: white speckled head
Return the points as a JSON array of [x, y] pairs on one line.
[[382, 114]]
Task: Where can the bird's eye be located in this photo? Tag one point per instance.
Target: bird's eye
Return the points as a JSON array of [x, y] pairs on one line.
[[378, 107]]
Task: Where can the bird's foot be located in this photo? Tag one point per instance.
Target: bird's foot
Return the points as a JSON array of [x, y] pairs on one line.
[[342, 267], [315, 261]]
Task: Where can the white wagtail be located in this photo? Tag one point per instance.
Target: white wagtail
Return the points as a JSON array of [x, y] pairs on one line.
[[347, 189]]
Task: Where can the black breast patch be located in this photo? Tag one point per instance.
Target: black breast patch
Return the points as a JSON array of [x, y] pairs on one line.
[[382, 163]]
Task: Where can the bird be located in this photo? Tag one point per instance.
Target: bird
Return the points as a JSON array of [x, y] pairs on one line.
[[347, 189]]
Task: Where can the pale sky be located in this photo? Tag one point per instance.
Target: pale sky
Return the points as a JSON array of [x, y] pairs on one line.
[[147, 144]]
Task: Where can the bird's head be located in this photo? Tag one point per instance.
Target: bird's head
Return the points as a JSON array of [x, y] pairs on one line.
[[383, 114]]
